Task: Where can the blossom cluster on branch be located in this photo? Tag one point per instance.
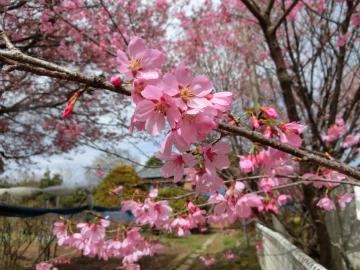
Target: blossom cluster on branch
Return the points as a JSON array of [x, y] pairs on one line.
[[190, 109]]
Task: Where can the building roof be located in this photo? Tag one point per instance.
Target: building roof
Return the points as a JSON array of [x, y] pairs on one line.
[[150, 173]]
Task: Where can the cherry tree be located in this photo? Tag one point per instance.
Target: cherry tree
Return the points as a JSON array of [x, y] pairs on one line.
[[281, 90]]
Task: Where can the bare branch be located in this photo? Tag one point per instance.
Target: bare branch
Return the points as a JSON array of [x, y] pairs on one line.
[[6, 39], [254, 9], [45, 68], [283, 17]]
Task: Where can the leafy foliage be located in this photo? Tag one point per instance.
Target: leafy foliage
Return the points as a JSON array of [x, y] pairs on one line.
[[123, 175], [154, 162]]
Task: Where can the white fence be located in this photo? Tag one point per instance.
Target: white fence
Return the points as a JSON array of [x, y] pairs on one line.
[[278, 253]]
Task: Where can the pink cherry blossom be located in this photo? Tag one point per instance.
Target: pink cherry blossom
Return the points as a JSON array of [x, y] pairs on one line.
[[207, 260], [282, 199], [152, 213], [247, 163], [215, 156], [345, 199], [268, 183], [132, 267], [220, 101], [228, 255], [328, 175], [117, 190], [141, 63], [189, 92], [181, 226], [60, 231], [154, 108], [196, 217], [245, 203], [139, 85], [326, 203], [208, 182], [350, 140], [290, 133], [355, 19], [271, 207], [269, 112], [175, 164], [94, 232], [335, 131], [239, 186], [153, 193], [159, 213], [99, 172], [45, 266], [195, 126], [343, 39], [332, 175], [259, 245], [268, 132], [174, 138]]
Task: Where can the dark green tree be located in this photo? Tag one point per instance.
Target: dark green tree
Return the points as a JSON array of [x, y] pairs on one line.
[[154, 162]]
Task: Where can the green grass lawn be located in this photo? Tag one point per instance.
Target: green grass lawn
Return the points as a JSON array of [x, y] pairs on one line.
[[227, 240], [235, 242]]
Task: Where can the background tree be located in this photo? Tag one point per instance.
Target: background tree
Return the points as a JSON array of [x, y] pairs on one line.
[[104, 163], [121, 175], [154, 162]]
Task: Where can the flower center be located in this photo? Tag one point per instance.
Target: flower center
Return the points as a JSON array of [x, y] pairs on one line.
[[138, 87], [135, 64], [185, 92], [161, 107], [210, 154], [189, 117], [179, 160]]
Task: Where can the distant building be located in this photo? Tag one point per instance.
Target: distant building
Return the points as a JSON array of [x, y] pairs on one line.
[[152, 178]]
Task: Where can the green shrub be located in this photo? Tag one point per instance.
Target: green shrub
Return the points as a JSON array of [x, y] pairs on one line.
[[123, 175]]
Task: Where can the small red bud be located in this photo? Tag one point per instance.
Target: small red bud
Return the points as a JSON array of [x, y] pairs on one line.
[[116, 81]]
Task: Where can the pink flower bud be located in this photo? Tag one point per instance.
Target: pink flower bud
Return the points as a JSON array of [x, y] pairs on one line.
[[267, 132], [255, 122], [282, 199], [116, 81], [270, 112]]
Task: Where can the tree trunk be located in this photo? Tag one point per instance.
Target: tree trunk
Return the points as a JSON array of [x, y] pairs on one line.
[[323, 245]]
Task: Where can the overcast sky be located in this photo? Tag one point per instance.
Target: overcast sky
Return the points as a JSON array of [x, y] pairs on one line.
[[72, 165]]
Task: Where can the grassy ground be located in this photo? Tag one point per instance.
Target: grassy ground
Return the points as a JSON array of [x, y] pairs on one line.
[[235, 242]]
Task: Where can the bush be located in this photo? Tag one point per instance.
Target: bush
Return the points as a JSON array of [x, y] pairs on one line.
[[123, 175]]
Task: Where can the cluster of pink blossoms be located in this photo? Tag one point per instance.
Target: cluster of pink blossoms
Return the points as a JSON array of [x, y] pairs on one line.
[[185, 102], [335, 131], [91, 241], [188, 107], [157, 214], [270, 162]]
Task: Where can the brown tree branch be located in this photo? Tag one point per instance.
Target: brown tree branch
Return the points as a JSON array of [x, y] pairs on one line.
[[276, 25], [304, 155], [254, 9], [44, 68], [6, 39]]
